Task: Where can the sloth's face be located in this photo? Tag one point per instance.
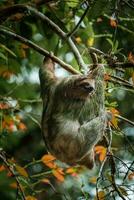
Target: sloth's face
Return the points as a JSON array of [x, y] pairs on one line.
[[81, 88]]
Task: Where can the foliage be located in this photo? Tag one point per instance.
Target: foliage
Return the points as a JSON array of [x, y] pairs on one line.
[[27, 171]]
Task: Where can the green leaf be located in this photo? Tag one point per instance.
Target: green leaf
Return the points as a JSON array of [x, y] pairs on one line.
[[3, 56], [8, 50]]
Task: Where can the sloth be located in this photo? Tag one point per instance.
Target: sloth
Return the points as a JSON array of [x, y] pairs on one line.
[[73, 119]]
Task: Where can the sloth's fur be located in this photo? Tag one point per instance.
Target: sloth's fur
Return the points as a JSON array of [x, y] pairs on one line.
[[73, 119]]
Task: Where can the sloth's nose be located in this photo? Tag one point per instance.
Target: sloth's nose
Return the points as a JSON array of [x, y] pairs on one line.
[[89, 88]]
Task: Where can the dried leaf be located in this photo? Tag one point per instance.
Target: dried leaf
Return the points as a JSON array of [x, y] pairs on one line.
[[131, 57], [21, 171]]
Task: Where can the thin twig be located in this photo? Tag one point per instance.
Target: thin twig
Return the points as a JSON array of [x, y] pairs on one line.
[[121, 83], [120, 79], [124, 119]]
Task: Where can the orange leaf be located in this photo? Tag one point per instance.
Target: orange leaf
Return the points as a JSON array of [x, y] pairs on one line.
[[2, 168], [4, 106], [113, 22], [101, 151], [47, 158], [30, 198], [22, 126], [114, 111], [51, 165], [58, 175], [13, 185], [107, 77], [21, 171]]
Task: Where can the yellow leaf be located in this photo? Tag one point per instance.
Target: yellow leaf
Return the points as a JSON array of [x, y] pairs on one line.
[[30, 198], [90, 41], [101, 196], [78, 40], [21, 171], [58, 175], [93, 180], [114, 120]]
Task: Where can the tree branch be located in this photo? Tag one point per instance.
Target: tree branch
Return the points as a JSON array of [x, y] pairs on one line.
[[39, 49], [22, 8]]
